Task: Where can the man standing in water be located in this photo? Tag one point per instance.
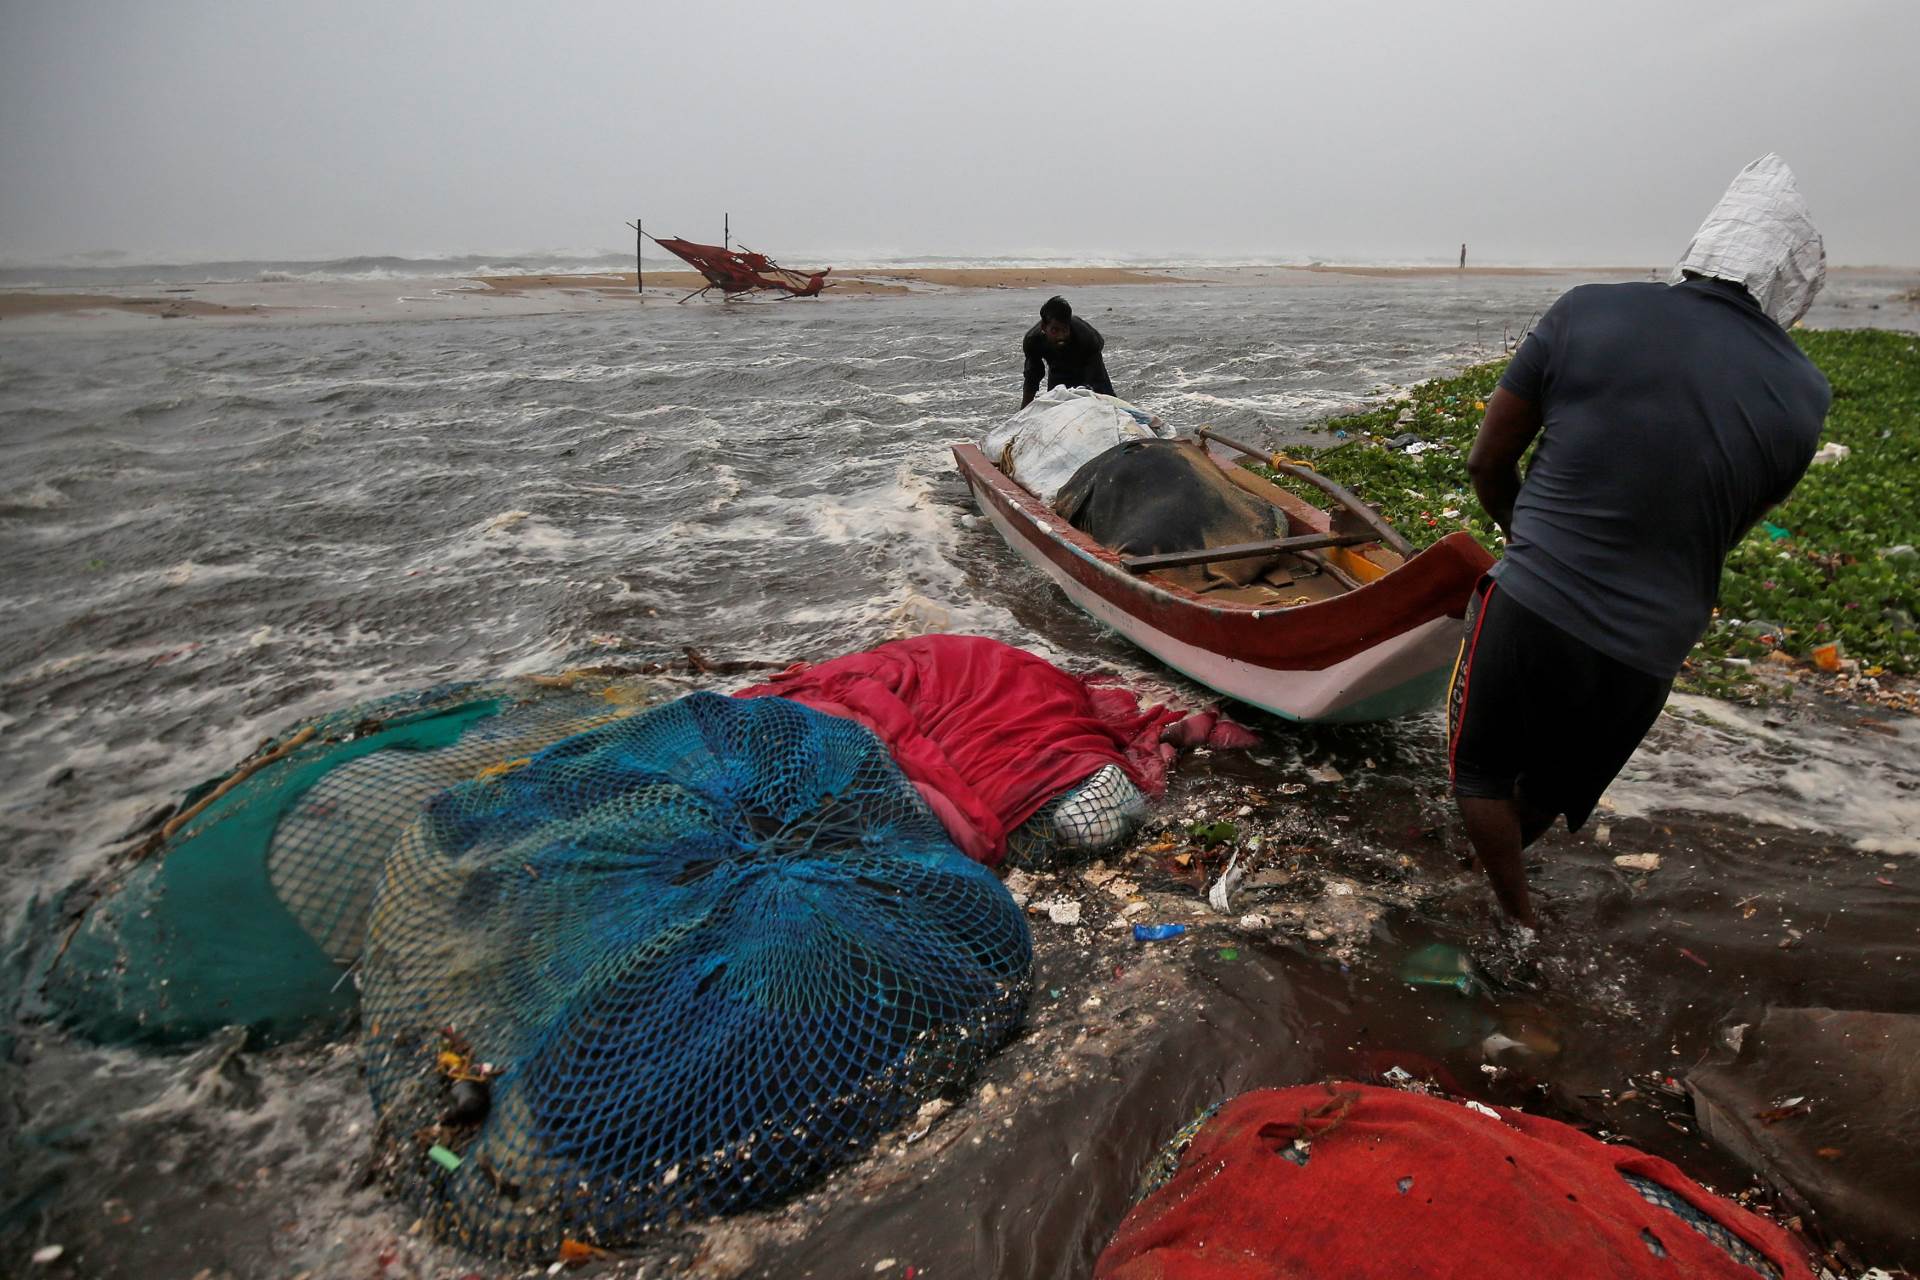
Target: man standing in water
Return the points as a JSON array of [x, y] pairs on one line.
[[1067, 349], [1670, 418]]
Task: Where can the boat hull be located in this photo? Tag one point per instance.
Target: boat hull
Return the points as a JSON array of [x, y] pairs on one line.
[[1380, 651]]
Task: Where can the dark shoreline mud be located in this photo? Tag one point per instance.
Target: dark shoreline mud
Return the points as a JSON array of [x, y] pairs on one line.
[[1637, 978]]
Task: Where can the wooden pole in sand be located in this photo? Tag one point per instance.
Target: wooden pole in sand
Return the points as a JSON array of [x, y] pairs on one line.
[[726, 231], [639, 268]]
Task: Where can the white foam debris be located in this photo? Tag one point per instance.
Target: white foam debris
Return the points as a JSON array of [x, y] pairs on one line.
[[1061, 910]]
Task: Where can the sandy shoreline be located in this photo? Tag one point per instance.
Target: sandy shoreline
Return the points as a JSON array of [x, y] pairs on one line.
[[179, 303], [56, 309], [867, 281], [267, 301]]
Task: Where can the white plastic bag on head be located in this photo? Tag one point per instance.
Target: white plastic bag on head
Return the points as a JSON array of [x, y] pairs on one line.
[[1045, 443], [1761, 236]]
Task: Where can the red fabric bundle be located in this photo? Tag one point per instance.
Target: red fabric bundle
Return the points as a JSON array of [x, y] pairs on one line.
[[1398, 1184], [986, 732], [1209, 729]]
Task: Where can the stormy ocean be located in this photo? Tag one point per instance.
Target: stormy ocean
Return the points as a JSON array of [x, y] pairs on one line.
[[209, 531]]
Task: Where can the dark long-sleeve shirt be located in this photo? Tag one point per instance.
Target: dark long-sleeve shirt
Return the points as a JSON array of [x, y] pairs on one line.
[[1075, 363]]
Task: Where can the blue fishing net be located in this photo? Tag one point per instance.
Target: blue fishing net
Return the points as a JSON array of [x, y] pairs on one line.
[[1672, 1201], [678, 966], [1166, 1161]]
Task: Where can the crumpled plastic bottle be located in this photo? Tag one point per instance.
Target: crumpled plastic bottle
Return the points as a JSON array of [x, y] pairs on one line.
[[1440, 965]]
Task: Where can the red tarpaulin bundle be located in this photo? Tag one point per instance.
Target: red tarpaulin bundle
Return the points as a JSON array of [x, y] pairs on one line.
[[1356, 1182], [988, 733]]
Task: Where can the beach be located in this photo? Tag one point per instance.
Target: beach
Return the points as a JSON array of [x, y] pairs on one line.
[[862, 281], [221, 524], [280, 299], [285, 300]]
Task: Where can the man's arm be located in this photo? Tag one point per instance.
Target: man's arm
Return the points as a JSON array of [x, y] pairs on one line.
[[1035, 370], [1494, 461], [1096, 375], [1093, 367]]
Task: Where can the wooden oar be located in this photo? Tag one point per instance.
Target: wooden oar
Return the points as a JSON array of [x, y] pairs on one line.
[[1346, 497], [1243, 550]]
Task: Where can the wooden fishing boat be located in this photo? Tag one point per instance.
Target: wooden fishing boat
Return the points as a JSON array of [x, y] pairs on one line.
[[1359, 628]]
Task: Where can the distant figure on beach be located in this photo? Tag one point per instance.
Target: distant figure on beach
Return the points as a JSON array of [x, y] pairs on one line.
[[1066, 349], [1671, 416], [1463, 256]]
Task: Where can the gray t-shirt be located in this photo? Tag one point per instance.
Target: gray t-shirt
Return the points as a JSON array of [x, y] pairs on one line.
[[1673, 417]]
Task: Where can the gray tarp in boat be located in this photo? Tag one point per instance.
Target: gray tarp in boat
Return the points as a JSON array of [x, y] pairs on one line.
[[1147, 496]]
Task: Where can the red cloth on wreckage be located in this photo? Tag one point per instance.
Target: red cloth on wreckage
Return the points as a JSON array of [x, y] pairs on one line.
[[987, 733], [1486, 1197]]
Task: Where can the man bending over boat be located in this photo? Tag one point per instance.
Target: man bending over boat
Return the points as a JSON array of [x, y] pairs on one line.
[[1670, 417], [1067, 349]]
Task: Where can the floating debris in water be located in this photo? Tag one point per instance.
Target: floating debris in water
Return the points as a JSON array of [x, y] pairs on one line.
[[1440, 965]]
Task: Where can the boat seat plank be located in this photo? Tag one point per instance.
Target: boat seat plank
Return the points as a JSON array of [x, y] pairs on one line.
[[1243, 550]]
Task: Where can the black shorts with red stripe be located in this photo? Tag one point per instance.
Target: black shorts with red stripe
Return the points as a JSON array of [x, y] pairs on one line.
[[1540, 716]]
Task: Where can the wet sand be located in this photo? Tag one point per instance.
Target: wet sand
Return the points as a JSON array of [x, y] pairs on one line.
[[621, 284], [31, 310], [1412, 273], [49, 310], [1637, 980], [866, 281], [36, 303], [1031, 278]]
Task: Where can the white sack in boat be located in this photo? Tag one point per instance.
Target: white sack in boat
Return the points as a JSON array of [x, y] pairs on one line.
[[1045, 443], [1761, 236]]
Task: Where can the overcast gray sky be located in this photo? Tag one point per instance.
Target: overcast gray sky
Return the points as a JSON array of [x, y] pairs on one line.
[[1591, 133]]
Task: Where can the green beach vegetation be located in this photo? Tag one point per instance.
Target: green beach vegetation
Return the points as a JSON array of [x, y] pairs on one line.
[[1833, 565]]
